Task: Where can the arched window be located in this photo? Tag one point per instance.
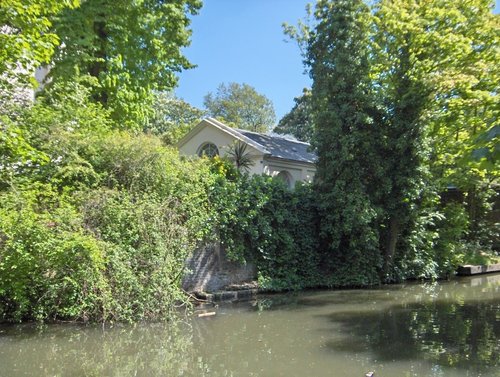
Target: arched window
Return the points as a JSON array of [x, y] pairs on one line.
[[208, 150], [285, 177]]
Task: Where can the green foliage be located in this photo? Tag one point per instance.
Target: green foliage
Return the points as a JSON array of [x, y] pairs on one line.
[[127, 48], [298, 122], [435, 62], [100, 255], [241, 106], [262, 221], [106, 237], [49, 267], [25, 34], [452, 231], [237, 153], [26, 42], [51, 134], [147, 244], [345, 138], [141, 164], [96, 223], [402, 104], [131, 229], [172, 118], [16, 154], [463, 63]]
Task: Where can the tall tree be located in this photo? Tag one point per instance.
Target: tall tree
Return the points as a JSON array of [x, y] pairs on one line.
[[404, 102], [126, 48], [298, 122], [242, 106], [345, 139], [463, 119], [436, 74], [403, 94]]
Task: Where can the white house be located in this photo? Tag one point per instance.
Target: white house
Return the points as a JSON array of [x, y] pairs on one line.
[[272, 155]]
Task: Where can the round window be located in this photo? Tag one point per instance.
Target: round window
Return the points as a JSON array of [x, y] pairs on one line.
[[208, 150]]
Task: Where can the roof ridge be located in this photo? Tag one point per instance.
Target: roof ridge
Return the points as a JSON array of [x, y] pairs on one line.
[[274, 135]]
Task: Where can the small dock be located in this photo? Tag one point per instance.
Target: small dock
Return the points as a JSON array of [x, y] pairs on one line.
[[469, 269]]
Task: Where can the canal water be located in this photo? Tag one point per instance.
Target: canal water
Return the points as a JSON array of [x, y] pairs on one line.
[[433, 329]]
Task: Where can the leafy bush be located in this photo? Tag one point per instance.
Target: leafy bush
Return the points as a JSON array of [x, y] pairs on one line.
[[262, 221], [142, 165], [102, 229], [452, 229], [105, 253], [147, 244], [49, 266]]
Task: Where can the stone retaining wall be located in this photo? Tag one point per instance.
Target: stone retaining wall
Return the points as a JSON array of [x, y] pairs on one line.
[[211, 271]]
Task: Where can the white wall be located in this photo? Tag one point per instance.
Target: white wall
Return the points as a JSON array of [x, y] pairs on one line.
[[222, 140], [298, 171], [208, 133]]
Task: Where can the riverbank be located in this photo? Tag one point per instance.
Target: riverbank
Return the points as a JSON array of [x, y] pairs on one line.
[[246, 291]]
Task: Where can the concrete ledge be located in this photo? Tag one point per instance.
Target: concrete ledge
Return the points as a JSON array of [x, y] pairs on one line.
[[469, 269], [240, 295]]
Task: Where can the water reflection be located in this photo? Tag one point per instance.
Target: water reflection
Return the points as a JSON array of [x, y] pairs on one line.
[[445, 329], [453, 325], [70, 350], [448, 334]]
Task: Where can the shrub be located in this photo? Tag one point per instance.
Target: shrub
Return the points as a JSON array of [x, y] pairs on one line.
[[107, 237], [147, 243], [49, 267], [262, 221]]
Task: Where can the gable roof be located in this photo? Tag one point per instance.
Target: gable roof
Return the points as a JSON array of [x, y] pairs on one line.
[[270, 145], [280, 147], [221, 126]]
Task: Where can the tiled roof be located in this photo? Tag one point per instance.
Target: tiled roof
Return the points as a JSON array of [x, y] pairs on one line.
[[280, 147]]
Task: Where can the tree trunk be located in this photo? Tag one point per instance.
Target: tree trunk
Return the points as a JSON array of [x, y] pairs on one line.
[[99, 64], [390, 249]]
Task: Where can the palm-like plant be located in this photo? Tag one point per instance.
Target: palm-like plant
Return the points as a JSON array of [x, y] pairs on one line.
[[237, 153]]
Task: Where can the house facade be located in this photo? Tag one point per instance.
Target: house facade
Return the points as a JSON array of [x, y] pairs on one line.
[[273, 155]]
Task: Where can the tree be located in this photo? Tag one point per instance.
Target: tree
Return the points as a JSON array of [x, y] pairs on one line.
[[298, 122], [436, 70], [126, 49], [403, 102], [465, 78], [241, 106], [172, 117], [25, 33], [403, 95], [26, 42], [345, 139]]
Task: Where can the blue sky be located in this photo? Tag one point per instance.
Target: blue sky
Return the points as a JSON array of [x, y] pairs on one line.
[[242, 41]]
